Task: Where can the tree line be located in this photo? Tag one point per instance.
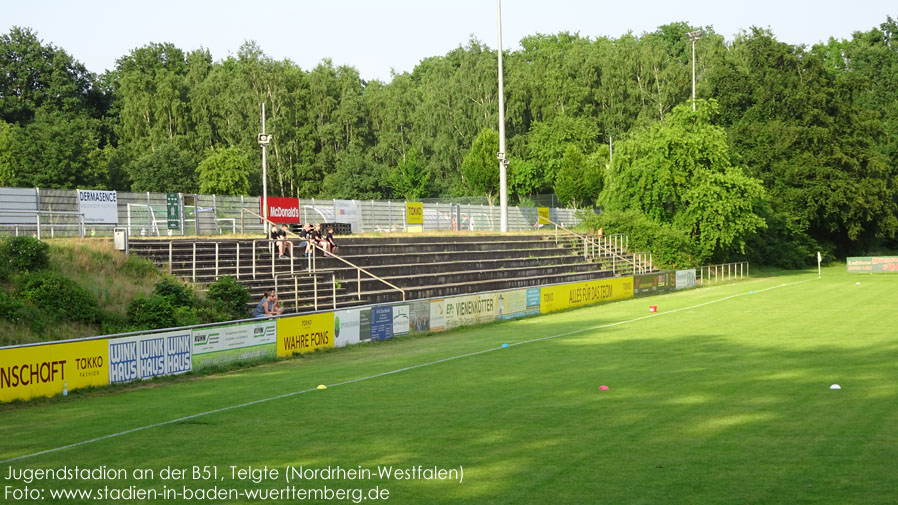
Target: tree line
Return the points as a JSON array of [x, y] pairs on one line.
[[792, 148]]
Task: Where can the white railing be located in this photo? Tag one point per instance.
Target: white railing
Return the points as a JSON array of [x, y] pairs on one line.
[[723, 272]]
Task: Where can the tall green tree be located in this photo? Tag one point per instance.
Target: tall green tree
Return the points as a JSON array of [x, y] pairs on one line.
[[36, 75], [679, 172], [168, 169], [480, 167], [225, 171], [797, 128]]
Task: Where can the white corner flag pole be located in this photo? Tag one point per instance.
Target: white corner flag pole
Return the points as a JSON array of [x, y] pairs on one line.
[[819, 259]]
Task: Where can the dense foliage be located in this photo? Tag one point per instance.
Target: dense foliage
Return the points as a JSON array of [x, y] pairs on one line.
[[815, 128]]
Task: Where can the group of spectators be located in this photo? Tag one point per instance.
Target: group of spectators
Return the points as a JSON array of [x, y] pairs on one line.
[[309, 238]]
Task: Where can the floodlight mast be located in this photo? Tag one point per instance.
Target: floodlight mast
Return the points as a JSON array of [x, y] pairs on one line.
[[264, 140], [693, 36], [503, 161]]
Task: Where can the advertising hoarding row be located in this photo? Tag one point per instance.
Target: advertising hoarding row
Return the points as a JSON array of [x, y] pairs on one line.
[[45, 370]]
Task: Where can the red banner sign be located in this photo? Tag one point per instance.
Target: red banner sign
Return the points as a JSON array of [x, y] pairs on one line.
[[282, 210]]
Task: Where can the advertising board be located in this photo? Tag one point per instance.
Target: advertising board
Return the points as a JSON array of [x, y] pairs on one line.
[[282, 209], [565, 296], [44, 370], [217, 345], [98, 207], [148, 356], [304, 333]]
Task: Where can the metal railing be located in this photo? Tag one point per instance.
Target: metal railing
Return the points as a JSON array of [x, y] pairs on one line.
[[358, 269], [314, 289], [723, 272], [37, 215], [613, 247]]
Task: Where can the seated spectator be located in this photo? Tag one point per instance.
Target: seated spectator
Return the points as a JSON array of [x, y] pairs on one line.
[[263, 309], [275, 306], [275, 235], [304, 236], [315, 237], [268, 306], [285, 242], [329, 240]]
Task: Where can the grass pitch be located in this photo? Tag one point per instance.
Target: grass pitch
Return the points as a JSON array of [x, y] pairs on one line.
[[721, 398]]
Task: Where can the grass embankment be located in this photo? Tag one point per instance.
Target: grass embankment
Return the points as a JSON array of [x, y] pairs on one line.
[[112, 277]]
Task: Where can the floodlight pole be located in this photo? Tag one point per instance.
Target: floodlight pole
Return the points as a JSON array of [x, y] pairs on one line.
[[263, 141], [693, 36], [503, 161]]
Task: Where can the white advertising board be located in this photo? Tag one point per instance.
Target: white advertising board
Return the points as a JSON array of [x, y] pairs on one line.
[[98, 207]]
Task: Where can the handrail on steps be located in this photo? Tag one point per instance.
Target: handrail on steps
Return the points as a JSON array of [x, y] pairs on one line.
[[603, 249], [359, 270]]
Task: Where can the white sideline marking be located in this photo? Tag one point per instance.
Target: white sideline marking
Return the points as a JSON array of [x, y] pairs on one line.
[[391, 372]]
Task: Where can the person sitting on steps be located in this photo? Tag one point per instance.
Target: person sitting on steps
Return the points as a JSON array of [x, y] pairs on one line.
[[285, 243]]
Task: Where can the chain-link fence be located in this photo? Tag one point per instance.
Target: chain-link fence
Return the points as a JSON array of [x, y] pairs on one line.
[[59, 213]]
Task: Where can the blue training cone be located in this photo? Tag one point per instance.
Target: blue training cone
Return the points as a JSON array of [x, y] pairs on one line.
[[504, 345]]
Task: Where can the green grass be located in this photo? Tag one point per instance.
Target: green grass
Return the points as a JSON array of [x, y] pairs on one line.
[[724, 403]]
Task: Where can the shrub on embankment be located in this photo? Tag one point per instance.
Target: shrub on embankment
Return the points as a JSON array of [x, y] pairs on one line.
[[64, 289]]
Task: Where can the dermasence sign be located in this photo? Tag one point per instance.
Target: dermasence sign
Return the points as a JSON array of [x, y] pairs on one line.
[[98, 207], [45, 370], [565, 296], [305, 333]]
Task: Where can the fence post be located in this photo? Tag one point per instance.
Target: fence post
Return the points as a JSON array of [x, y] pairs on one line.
[[170, 257], [253, 255], [358, 272], [334, 281], [237, 268], [296, 293], [193, 274], [216, 260], [315, 290], [196, 214]]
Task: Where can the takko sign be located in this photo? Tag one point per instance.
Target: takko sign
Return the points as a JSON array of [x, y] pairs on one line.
[[282, 210]]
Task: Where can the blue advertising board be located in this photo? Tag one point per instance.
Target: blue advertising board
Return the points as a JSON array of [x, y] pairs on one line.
[[382, 322]]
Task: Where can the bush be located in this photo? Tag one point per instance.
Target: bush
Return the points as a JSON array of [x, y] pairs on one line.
[[186, 316], [59, 296], [10, 307], [24, 254], [176, 293], [229, 297], [150, 313], [782, 244]]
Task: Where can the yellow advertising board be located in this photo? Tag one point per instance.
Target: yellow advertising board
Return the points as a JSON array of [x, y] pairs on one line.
[[543, 213], [305, 333], [45, 370], [414, 213], [565, 296]]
